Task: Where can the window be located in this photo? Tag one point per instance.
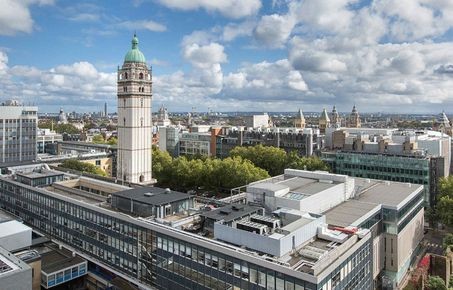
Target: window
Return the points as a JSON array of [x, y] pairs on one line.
[[141, 122], [141, 102], [125, 89], [124, 120], [140, 76], [125, 76]]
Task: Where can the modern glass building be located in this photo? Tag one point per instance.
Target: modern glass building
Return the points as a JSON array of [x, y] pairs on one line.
[[412, 169]]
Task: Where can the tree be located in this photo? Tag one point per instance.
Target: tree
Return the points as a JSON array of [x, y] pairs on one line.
[[59, 128], [444, 205], [436, 283], [98, 139], [310, 163], [82, 167], [113, 141], [448, 241], [274, 160], [210, 173]]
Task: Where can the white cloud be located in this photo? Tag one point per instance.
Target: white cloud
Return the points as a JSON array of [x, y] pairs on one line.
[[143, 24], [78, 83], [273, 30], [228, 8], [15, 15], [206, 55]]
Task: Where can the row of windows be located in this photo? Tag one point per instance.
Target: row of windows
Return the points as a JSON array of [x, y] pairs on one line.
[[212, 269], [125, 246]]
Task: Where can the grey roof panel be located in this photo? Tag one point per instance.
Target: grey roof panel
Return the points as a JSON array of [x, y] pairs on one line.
[[154, 195]]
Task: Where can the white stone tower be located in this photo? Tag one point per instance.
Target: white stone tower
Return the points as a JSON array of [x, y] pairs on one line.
[[134, 118]]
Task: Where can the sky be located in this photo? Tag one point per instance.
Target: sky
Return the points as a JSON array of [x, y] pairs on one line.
[[232, 55]]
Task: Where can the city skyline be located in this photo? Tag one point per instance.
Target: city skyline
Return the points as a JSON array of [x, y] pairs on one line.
[[233, 56]]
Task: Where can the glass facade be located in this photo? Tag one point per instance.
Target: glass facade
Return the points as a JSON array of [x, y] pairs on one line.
[[162, 260], [383, 167]]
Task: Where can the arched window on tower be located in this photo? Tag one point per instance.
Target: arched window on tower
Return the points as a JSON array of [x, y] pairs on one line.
[[140, 76], [125, 89], [124, 121], [124, 103], [125, 76]]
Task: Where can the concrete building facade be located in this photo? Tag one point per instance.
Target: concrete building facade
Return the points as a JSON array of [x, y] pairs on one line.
[[18, 125]]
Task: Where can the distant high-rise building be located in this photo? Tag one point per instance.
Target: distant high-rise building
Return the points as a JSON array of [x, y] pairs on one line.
[[324, 121], [300, 120], [105, 110], [354, 119], [335, 120], [18, 126], [134, 118]]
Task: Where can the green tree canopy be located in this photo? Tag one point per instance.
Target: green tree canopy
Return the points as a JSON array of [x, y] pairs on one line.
[[444, 206], [436, 283], [448, 241], [59, 128], [274, 160], [210, 173], [82, 167], [98, 139]]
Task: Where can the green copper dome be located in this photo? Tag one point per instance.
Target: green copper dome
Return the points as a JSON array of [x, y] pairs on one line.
[[134, 55]]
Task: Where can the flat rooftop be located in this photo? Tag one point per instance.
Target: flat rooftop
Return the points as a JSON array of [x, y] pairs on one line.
[[389, 194], [40, 174], [152, 195], [306, 186], [230, 212], [57, 260], [86, 198], [348, 212]]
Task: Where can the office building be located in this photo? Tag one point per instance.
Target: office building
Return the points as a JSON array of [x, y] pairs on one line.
[[304, 141], [419, 157], [195, 143], [169, 139], [46, 137], [18, 125], [300, 230], [134, 118], [257, 121]]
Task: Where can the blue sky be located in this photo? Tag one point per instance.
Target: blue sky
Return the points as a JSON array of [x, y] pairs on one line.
[[233, 55]]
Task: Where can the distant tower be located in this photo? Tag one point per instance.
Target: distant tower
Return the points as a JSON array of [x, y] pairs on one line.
[[324, 121], [335, 120], [134, 118], [162, 117], [444, 124], [62, 119], [105, 110], [300, 120], [354, 119]]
